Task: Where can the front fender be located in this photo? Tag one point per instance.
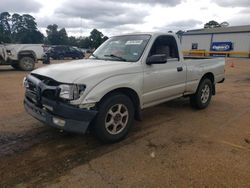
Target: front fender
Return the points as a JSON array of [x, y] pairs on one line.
[[131, 81]]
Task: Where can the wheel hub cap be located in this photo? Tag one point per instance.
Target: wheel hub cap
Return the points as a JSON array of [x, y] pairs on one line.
[[205, 94], [116, 119]]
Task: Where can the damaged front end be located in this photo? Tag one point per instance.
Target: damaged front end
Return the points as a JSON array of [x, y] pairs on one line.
[[49, 101]]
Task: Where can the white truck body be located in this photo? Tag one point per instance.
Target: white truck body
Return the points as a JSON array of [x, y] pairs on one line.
[[21, 56], [111, 90], [154, 84], [16, 49]]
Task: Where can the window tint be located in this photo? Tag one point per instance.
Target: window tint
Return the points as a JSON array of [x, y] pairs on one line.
[[165, 45]]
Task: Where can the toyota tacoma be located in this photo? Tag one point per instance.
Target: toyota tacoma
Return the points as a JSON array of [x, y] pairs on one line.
[[126, 74]]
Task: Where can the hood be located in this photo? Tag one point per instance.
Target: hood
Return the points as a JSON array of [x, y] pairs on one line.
[[74, 71]]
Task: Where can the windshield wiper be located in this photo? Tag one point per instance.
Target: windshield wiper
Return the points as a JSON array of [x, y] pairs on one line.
[[115, 56]]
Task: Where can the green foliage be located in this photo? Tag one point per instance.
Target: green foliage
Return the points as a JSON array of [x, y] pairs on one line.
[[85, 43], [5, 31], [96, 38], [55, 36], [19, 29], [60, 37], [212, 24], [215, 24]]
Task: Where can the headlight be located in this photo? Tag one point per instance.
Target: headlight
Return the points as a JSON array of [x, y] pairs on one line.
[[71, 92]]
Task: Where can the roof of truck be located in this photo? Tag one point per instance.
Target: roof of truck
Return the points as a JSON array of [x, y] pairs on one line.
[[147, 33]]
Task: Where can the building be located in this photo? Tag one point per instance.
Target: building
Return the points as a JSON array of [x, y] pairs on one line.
[[235, 41]]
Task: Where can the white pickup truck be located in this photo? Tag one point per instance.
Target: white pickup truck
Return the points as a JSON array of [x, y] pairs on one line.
[[126, 74], [21, 56]]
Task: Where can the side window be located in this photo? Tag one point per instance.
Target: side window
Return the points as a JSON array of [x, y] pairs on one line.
[[165, 45]]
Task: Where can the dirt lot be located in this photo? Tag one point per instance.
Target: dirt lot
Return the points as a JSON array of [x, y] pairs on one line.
[[173, 146]]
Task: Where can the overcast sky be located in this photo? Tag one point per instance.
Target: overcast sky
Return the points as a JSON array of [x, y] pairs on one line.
[[121, 16]]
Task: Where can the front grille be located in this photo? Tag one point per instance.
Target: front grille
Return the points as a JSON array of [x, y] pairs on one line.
[[50, 94], [31, 86], [45, 87]]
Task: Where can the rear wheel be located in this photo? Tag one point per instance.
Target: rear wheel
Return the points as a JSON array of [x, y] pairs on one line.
[[27, 63], [114, 119], [203, 95]]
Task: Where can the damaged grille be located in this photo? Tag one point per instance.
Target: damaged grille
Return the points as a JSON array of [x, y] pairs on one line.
[[41, 87]]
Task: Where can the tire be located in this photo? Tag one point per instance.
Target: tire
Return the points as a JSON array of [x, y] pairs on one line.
[[114, 119], [203, 95], [27, 63], [81, 57], [15, 66]]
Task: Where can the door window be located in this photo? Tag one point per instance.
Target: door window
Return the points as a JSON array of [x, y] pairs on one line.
[[165, 45]]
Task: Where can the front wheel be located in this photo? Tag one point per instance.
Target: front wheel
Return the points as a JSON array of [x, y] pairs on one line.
[[114, 119], [27, 63], [203, 95]]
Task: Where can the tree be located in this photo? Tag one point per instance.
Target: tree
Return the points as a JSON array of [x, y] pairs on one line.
[[212, 24], [19, 29], [24, 29], [73, 41], [96, 38], [5, 30], [55, 36], [85, 43], [180, 33]]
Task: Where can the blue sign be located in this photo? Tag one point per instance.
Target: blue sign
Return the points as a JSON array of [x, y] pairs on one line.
[[221, 47]]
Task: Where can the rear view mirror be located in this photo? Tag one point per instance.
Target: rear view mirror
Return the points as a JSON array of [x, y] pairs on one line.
[[157, 59]]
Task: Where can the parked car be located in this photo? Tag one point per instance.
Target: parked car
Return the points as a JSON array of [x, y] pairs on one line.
[[61, 52], [124, 75], [21, 56]]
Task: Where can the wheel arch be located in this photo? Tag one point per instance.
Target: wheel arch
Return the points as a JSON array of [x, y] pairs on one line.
[[27, 53], [132, 94], [208, 75]]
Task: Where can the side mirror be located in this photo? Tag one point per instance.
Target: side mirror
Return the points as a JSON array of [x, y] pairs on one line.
[[157, 59]]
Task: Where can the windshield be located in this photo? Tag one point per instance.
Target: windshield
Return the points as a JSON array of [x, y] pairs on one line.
[[122, 48]]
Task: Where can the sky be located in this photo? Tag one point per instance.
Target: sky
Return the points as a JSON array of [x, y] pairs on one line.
[[114, 17]]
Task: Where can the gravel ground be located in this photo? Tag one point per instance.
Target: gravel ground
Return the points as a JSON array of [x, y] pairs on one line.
[[173, 146]]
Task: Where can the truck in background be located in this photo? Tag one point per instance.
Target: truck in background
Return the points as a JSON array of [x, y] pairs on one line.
[[21, 56]]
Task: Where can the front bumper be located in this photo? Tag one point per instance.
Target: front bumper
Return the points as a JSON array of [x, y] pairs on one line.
[[41, 101], [71, 119]]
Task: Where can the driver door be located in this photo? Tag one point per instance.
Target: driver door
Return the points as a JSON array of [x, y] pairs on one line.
[[164, 81]]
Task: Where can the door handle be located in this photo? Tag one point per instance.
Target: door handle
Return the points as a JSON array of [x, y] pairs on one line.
[[179, 69]]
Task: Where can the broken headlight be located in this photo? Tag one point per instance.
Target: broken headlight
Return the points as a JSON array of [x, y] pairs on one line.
[[71, 92]]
